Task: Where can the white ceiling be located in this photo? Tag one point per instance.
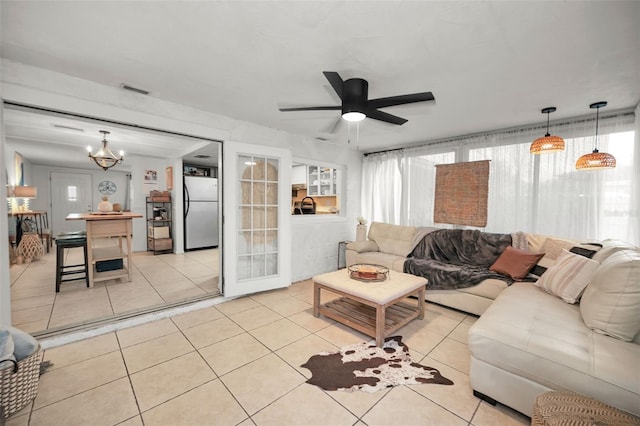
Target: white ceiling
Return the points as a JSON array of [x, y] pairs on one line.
[[490, 65]]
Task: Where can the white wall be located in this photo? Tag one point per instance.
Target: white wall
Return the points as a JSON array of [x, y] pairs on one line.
[[44, 88], [5, 288]]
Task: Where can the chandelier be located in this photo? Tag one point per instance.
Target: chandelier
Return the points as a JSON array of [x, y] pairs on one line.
[[596, 159], [104, 158], [547, 143]]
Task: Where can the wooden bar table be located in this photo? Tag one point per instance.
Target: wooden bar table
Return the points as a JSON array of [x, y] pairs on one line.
[[108, 225]]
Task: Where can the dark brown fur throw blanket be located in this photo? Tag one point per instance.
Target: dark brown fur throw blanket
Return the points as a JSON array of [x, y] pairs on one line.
[[457, 258]]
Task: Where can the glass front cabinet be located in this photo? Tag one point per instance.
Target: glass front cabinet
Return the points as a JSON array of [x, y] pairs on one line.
[[321, 181]]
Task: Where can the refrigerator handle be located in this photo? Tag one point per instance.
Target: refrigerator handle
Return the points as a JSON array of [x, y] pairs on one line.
[[186, 199]]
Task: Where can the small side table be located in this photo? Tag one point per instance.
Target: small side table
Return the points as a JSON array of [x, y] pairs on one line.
[[342, 257]]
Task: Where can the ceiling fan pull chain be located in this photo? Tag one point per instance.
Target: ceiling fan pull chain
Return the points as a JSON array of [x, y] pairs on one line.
[[358, 135]]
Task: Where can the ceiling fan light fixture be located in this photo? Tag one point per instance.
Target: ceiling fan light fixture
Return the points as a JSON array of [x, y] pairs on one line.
[[353, 116], [104, 158], [547, 143], [596, 160]]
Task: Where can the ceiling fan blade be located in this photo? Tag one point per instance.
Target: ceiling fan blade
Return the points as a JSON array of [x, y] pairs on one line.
[[335, 80], [383, 116], [314, 108], [400, 100], [337, 124]]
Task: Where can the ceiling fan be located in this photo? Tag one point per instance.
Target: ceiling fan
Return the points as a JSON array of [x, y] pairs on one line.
[[356, 106]]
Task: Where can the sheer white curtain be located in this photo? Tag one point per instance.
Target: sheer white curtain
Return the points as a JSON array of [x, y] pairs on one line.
[[398, 186], [511, 193], [534, 193], [382, 187]]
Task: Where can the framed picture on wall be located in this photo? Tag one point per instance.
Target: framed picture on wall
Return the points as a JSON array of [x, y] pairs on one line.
[[169, 177]]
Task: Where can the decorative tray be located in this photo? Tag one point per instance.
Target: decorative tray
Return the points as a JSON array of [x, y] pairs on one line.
[[368, 272]]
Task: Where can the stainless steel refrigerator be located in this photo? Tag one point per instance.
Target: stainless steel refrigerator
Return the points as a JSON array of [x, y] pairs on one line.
[[200, 212]]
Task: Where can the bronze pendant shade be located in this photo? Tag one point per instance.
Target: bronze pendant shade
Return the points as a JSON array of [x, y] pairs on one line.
[[596, 159], [547, 143]]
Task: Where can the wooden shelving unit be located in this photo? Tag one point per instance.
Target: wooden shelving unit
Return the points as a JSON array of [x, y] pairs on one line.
[[159, 226]]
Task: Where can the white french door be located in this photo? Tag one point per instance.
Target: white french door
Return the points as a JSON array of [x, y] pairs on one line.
[[256, 223], [70, 193]]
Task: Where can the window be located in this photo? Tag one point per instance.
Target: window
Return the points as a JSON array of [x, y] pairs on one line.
[[72, 193], [315, 189], [532, 193]]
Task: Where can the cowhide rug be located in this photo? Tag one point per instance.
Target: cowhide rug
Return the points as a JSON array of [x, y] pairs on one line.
[[366, 367]]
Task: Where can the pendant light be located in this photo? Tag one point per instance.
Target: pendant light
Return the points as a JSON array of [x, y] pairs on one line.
[[547, 143], [104, 158], [596, 159]]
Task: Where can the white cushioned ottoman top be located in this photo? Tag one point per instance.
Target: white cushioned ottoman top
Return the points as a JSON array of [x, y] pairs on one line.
[[381, 292], [535, 335]]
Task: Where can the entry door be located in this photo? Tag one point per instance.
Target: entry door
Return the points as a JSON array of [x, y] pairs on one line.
[[70, 193], [256, 223]]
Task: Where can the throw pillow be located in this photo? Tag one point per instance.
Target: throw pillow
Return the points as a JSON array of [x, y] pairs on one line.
[[553, 248], [568, 277], [515, 263], [611, 302]]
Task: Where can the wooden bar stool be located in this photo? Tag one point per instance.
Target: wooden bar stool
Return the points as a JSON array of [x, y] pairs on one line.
[[69, 240]]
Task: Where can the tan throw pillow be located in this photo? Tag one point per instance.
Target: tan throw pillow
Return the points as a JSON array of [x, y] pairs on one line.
[[515, 263], [611, 302], [568, 276]]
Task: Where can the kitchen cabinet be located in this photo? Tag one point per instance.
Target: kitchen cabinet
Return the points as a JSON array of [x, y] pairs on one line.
[[299, 175], [321, 181]]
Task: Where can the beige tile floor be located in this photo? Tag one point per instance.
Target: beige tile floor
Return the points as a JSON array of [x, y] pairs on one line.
[[238, 363], [160, 279]]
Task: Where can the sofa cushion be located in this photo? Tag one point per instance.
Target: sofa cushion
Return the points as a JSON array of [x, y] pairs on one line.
[[362, 246], [611, 303], [537, 336], [489, 288], [393, 239], [568, 277], [515, 263], [391, 261], [611, 246]]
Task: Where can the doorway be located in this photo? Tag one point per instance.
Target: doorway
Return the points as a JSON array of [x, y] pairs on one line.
[[68, 183], [70, 193]]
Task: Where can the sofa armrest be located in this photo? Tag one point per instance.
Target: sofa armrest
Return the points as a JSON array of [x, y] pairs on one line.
[[363, 246]]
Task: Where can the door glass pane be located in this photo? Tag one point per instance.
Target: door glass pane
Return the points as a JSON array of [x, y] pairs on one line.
[[258, 192], [258, 217], [244, 267], [243, 243]]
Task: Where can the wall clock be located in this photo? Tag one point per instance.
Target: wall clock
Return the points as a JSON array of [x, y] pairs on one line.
[[107, 187]]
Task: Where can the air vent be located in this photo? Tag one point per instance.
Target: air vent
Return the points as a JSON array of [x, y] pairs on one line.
[[134, 89], [202, 156], [61, 126]]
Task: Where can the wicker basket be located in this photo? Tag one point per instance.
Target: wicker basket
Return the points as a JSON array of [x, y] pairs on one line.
[[19, 388]]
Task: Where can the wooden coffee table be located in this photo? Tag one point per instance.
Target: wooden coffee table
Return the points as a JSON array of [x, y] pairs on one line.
[[376, 309]]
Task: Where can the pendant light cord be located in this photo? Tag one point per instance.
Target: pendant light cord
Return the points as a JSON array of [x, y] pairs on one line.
[[548, 113], [597, 122]]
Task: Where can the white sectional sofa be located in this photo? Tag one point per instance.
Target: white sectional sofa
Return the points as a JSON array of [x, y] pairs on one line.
[[389, 245], [529, 339]]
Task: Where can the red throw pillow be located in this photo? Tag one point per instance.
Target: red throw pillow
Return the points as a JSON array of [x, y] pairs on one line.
[[515, 263]]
